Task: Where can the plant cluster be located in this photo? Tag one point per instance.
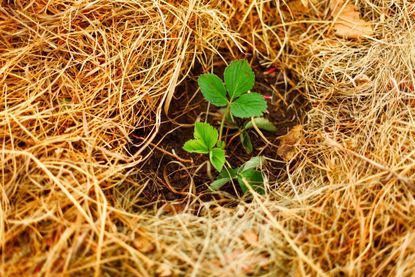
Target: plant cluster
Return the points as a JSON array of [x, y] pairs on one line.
[[235, 99]]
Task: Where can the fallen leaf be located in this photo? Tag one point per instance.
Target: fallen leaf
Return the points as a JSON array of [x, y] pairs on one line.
[[347, 21], [361, 79], [143, 245], [174, 208], [287, 148]]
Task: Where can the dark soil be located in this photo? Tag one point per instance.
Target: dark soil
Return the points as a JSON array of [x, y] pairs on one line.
[[171, 176]]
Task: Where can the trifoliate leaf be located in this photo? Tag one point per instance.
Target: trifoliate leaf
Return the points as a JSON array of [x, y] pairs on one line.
[[213, 89], [246, 142], [249, 105], [206, 133], [217, 158], [261, 123], [254, 179], [239, 78], [195, 146]]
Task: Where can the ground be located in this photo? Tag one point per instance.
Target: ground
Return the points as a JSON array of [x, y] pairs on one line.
[[99, 97]]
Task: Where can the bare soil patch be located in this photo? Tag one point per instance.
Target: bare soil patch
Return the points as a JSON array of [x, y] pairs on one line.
[[174, 169]]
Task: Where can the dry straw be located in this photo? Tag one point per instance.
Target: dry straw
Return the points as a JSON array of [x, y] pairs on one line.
[[78, 77]]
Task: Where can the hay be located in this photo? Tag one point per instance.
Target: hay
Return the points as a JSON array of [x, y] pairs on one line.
[[79, 77]]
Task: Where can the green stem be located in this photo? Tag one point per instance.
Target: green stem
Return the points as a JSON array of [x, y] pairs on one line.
[[222, 123]]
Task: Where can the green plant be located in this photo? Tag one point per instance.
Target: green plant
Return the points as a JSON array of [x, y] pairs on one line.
[[246, 173], [235, 98], [205, 139], [260, 122]]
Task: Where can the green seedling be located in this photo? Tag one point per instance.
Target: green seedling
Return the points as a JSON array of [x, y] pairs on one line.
[[236, 100], [235, 94]]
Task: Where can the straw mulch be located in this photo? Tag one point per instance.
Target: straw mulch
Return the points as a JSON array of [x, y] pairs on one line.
[[78, 77]]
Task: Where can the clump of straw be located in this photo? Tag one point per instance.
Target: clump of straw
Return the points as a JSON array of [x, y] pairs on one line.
[[78, 77]]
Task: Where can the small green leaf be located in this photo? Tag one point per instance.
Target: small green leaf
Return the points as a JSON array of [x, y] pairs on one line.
[[249, 105], [195, 146], [246, 142], [239, 78], [213, 89], [206, 133], [253, 163], [261, 123], [218, 183], [217, 158], [254, 179]]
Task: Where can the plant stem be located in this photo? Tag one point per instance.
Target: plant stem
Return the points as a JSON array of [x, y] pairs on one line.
[[222, 123]]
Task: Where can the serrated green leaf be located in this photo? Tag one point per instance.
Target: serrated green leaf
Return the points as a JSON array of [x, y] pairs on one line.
[[249, 105], [195, 146], [246, 142], [218, 183], [261, 123], [239, 78], [206, 133], [253, 163], [217, 158], [213, 89], [254, 179]]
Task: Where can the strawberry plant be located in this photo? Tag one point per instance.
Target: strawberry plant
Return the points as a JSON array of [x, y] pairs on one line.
[[205, 139], [235, 99]]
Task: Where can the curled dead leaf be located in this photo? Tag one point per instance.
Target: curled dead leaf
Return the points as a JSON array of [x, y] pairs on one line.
[[347, 21], [143, 245], [361, 79], [174, 208], [287, 148]]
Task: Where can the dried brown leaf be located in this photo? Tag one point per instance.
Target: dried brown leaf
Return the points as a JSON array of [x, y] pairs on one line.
[[174, 208], [347, 21], [287, 149], [143, 245]]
